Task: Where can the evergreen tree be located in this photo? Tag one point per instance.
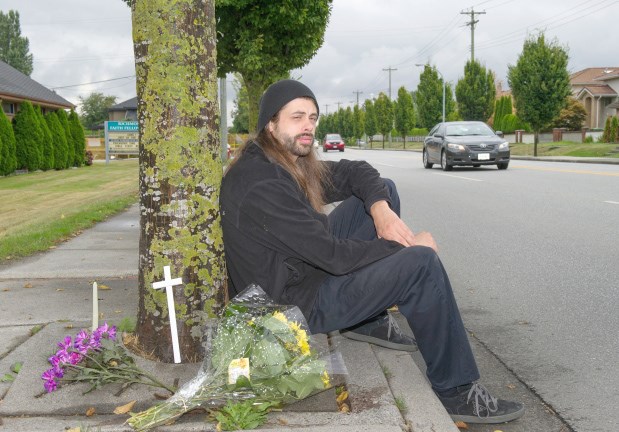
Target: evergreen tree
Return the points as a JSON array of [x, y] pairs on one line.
[[14, 48], [540, 83], [476, 92], [47, 144], [26, 139], [614, 130], [66, 129], [404, 113], [77, 132], [8, 158], [61, 148]]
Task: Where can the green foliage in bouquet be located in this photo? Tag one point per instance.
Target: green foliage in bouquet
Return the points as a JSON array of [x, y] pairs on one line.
[[260, 352]]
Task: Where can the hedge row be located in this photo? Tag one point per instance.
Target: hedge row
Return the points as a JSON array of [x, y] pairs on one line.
[[40, 142]]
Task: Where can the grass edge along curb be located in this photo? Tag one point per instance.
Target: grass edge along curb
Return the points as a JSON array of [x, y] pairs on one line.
[[42, 237]]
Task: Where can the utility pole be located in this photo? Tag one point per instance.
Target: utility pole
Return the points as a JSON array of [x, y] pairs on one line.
[[472, 23], [338, 105], [389, 69], [326, 109], [357, 92]]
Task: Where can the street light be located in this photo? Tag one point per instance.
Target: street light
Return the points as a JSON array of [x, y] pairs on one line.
[[443, 79]]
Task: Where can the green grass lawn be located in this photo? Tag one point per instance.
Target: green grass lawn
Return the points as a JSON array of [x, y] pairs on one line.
[[41, 209], [567, 149]]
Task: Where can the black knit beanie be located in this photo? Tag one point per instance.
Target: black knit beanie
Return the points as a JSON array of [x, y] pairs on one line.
[[278, 95]]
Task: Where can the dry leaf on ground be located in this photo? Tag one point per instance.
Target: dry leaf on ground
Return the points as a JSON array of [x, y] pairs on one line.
[[104, 287], [28, 285], [461, 425], [90, 412], [59, 289], [124, 409]]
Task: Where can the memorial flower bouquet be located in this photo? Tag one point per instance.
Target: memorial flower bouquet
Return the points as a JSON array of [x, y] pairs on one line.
[[95, 358], [257, 351]]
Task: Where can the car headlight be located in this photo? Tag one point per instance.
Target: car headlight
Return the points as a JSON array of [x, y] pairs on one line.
[[504, 146], [455, 147]]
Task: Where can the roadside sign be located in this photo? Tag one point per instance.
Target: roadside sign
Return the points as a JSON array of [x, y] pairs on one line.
[[121, 137]]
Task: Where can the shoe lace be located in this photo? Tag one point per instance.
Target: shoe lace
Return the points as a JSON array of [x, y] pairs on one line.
[[393, 325], [484, 403]]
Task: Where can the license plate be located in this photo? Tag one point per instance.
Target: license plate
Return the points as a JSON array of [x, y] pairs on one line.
[[483, 156]]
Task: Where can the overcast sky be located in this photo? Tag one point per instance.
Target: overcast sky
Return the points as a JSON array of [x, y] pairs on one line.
[[85, 46]]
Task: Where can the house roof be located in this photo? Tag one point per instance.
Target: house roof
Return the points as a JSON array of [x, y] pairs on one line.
[[594, 75], [598, 90], [129, 104], [613, 105], [16, 85]]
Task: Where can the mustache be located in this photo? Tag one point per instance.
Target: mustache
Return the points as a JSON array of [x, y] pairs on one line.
[[304, 135]]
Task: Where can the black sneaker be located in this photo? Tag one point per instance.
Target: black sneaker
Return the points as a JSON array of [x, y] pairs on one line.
[[382, 331], [474, 404]]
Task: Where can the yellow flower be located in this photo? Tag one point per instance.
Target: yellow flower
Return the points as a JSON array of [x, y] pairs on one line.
[[294, 326], [280, 316], [302, 342], [325, 379]]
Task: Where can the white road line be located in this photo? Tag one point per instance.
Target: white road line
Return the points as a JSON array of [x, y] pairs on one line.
[[460, 177], [382, 164], [611, 202]]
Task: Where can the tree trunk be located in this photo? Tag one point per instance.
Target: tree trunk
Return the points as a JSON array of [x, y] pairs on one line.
[[180, 171], [535, 141]]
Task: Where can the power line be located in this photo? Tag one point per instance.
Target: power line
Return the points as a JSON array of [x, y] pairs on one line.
[[93, 82]]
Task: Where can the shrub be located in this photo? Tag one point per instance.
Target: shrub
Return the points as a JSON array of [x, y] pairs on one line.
[[79, 140], [66, 130], [60, 141], [47, 144], [8, 160], [26, 140], [614, 130], [606, 136]]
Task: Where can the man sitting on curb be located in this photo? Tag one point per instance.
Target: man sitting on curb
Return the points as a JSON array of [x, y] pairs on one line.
[[345, 269]]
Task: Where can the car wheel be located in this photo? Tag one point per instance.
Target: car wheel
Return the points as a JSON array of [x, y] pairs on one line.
[[324, 149], [476, 165], [426, 164], [342, 150], [502, 165], [444, 165]]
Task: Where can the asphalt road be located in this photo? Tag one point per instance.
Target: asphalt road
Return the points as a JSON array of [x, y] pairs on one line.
[[533, 255]]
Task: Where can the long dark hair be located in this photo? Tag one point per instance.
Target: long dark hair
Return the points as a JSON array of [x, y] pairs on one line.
[[309, 172]]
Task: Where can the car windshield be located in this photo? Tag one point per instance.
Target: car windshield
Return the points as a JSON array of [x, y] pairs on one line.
[[333, 137], [468, 129]]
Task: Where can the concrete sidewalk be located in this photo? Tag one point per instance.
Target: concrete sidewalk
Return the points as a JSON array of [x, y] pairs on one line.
[[52, 291]]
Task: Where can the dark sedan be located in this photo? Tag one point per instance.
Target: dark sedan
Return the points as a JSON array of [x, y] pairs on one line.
[[465, 143]]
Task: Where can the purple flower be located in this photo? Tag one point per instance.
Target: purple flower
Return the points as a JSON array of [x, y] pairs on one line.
[[50, 385], [105, 331], [66, 343], [75, 357], [82, 341], [50, 380]]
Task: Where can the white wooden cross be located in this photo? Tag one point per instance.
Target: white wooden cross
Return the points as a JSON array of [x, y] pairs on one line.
[[167, 283]]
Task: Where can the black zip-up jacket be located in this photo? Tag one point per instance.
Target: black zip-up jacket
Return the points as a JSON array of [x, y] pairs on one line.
[[274, 238]]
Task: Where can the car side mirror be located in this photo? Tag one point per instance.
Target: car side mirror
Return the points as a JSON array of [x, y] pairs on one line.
[[500, 133], [439, 135]]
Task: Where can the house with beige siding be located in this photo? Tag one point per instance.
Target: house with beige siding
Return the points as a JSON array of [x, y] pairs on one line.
[[598, 90]]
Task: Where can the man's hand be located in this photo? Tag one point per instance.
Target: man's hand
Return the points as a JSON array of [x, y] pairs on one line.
[[390, 227]]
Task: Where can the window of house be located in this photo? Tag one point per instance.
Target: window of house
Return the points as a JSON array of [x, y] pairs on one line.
[[8, 107]]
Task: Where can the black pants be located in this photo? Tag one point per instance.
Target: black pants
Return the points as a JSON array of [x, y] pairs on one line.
[[413, 279]]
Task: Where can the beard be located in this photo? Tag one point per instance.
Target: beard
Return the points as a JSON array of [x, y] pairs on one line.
[[291, 145]]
